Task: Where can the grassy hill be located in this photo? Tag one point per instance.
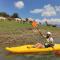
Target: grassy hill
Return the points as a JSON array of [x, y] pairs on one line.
[[13, 33]]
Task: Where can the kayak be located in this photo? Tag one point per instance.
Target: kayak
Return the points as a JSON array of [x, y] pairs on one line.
[[29, 49]]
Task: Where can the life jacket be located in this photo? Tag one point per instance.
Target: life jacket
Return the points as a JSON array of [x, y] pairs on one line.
[[49, 40]]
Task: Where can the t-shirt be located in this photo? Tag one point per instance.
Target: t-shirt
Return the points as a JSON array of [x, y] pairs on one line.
[[49, 40]]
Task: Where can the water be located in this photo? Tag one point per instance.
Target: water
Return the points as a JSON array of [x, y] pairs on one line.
[[5, 56]]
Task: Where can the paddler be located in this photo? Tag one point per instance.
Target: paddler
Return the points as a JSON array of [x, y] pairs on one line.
[[49, 41], [48, 37]]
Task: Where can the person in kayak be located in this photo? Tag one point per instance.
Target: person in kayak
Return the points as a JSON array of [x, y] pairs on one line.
[[48, 43]]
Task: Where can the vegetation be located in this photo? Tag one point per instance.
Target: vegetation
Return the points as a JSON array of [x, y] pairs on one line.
[[4, 14], [13, 33], [15, 15]]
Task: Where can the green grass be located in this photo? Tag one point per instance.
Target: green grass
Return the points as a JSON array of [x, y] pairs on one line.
[[12, 26], [13, 33], [49, 28]]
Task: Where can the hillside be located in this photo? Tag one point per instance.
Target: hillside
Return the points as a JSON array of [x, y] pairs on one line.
[[14, 34]]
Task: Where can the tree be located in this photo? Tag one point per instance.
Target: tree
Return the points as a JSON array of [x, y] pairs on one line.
[[4, 14], [27, 19], [15, 15]]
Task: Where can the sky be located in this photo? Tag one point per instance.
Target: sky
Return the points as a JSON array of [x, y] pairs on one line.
[[36, 9]]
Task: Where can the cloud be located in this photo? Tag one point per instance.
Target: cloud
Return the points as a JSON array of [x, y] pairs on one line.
[[57, 8], [19, 4], [38, 20], [36, 11], [53, 21], [47, 10]]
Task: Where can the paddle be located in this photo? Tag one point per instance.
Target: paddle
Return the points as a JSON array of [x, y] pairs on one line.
[[34, 25]]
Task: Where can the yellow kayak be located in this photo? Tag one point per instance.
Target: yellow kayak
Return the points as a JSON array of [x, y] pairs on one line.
[[29, 49]]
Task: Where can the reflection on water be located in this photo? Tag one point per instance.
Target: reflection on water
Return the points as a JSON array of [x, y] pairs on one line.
[[30, 57], [27, 57], [5, 56]]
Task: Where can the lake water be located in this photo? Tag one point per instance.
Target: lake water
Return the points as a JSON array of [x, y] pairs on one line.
[[5, 56]]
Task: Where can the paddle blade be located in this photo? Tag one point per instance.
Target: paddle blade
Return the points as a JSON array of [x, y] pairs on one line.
[[34, 24]]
